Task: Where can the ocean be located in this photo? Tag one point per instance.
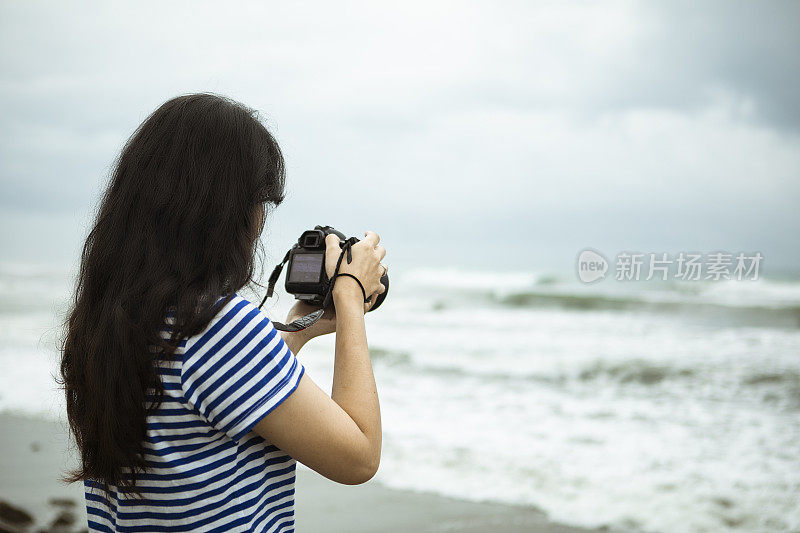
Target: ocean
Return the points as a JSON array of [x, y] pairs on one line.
[[664, 407]]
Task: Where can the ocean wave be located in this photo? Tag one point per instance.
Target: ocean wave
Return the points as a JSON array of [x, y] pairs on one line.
[[472, 280], [777, 388], [389, 357], [740, 313], [635, 371], [761, 302]]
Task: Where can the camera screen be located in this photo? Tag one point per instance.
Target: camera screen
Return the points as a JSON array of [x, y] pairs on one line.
[[306, 268]]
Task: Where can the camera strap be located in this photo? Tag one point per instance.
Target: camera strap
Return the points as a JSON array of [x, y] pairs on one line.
[[311, 318], [296, 325], [273, 278], [301, 323]]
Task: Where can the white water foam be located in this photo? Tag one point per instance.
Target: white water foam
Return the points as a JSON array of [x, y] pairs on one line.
[[642, 419]]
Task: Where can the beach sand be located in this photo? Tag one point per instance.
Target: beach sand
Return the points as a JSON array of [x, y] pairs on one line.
[[34, 453]]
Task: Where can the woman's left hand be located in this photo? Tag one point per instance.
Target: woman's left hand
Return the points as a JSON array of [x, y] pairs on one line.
[[325, 325]]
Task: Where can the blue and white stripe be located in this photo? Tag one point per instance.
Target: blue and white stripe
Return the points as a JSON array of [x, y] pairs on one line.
[[206, 470]]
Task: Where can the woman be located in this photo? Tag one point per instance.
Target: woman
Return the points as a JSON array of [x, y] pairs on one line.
[[188, 408]]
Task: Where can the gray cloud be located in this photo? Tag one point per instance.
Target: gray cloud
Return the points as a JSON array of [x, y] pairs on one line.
[[673, 121]]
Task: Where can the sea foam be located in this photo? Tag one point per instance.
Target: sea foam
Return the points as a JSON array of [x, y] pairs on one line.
[[657, 407]]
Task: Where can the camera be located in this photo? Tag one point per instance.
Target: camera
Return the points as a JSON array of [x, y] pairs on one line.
[[306, 277]]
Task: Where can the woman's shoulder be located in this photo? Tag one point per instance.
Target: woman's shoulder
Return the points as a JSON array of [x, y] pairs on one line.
[[235, 314], [234, 301]]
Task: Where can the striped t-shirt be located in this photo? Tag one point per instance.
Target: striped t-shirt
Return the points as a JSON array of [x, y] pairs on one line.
[[207, 471]]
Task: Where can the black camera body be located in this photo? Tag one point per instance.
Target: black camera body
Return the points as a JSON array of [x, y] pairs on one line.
[[306, 277]]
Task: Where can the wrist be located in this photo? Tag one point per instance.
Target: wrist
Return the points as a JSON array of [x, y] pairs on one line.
[[347, 293], [347, 288]]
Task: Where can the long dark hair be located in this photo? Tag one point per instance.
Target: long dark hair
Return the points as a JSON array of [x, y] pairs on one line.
[[176, 230]]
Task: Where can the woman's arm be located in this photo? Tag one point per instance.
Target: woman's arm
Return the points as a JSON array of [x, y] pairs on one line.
[[338, 436]]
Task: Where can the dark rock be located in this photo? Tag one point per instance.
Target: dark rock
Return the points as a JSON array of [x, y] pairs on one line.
[[62, 502], [64, 519], [14, 515]]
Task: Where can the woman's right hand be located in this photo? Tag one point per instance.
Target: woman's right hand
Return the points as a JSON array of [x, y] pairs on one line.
[[339, 435], [366, 266]]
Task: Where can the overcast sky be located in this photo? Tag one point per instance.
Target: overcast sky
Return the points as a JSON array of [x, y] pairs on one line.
[[472, 134]]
